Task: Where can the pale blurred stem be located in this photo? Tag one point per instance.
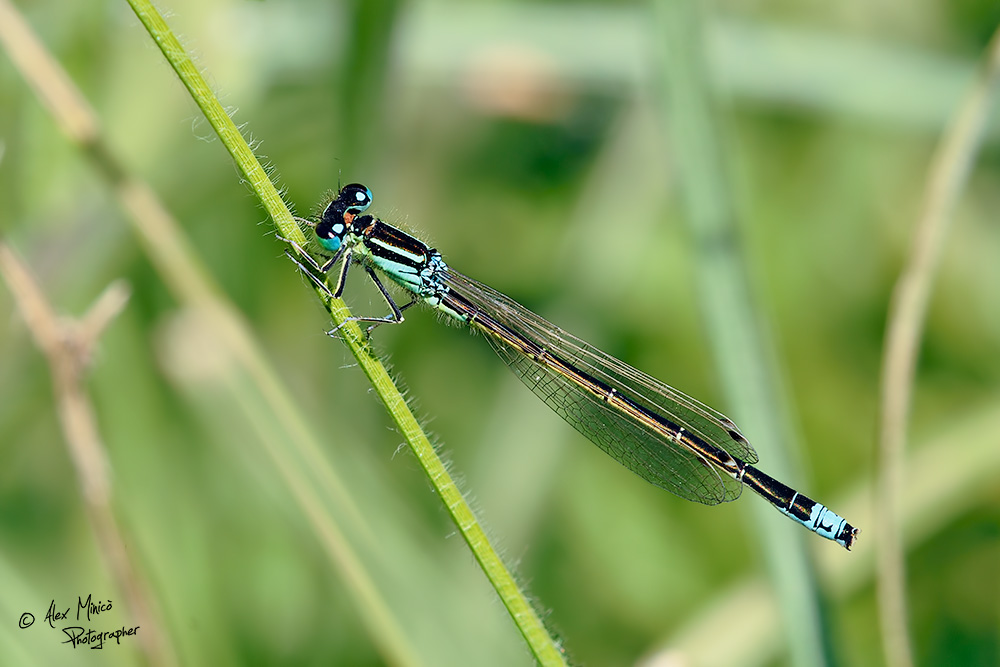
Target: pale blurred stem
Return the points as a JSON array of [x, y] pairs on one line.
[[527, 620], [187, 277], [192, 285], [737, 333], [68, 344], [949, 172]]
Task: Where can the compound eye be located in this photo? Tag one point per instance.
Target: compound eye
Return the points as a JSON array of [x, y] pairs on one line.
[[355, 198], [330, 233], [336, 230]]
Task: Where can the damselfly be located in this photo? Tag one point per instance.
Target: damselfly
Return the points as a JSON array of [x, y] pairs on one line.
[[659, 433]]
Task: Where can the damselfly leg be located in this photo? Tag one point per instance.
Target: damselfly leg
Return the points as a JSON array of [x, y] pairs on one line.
[[344, 256]]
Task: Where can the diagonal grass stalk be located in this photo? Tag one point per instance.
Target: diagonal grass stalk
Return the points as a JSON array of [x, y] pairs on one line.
[[542, 645]]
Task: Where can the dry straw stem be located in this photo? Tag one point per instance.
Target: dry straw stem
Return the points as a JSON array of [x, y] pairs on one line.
[[949, 171], [190, 282], [941, 487], [67, 345], [310, 482]]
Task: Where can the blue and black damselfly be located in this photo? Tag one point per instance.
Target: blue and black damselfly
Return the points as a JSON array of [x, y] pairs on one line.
[[667, 438]]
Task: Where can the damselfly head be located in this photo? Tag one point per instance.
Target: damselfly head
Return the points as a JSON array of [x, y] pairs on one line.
[[336, 220]]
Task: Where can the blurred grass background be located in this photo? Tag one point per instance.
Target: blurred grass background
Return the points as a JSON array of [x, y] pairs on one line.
[[524, 141]]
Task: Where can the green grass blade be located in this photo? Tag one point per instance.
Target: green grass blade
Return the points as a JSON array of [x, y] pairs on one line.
[[528, 622]]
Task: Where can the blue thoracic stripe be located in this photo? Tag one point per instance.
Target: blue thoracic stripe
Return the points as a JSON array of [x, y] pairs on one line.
[[678, 434], [380, 237]]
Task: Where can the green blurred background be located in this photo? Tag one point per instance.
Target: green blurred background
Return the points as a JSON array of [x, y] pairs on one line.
[[526, 141]]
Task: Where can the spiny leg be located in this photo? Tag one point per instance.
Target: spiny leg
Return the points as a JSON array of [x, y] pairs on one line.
[[302, 251], [308, 272], [344, 268], [323, 270], [397, 312]]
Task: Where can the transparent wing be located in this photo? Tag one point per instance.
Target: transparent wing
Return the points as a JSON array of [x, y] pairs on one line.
[[647, 452]]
